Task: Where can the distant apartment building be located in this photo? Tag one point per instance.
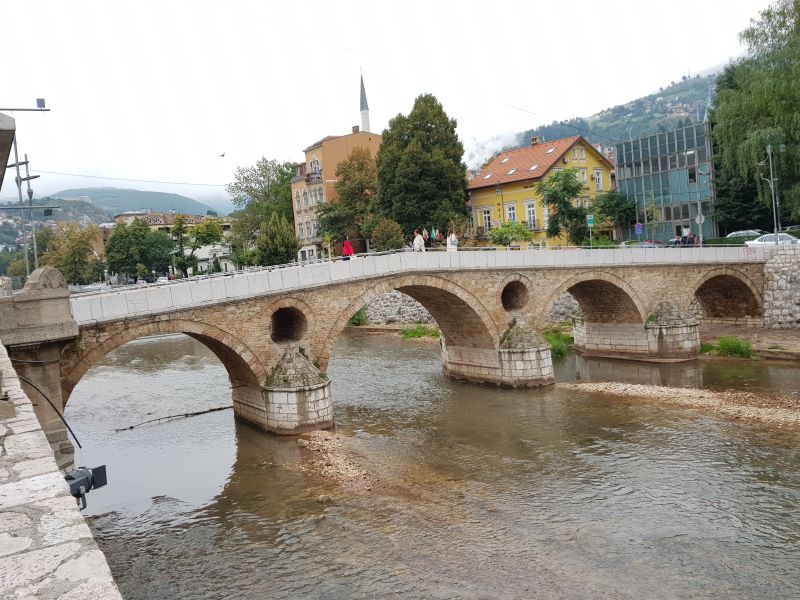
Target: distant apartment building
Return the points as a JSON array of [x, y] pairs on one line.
[[315, 180], [505, 189], [669, 175]]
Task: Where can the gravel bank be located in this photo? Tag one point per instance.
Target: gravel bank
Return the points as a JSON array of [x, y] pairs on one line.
[[782, 410], [330, 460]]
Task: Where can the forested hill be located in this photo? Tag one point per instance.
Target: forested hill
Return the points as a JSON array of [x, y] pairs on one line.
[[659, 111], [118, 200], [68, 210]]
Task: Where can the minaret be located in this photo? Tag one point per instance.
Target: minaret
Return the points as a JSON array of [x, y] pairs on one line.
[[364, 108]]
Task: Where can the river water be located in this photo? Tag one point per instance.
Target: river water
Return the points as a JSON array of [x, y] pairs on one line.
[[479, 492]]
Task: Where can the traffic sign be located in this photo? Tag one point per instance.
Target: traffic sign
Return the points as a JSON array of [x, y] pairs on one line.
[[638, 229], [590, 221], [699, 219]]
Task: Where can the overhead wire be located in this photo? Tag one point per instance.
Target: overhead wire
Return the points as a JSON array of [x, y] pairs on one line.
[[128, 179]]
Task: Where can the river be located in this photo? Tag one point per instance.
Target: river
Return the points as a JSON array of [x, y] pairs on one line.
[[478, 492]]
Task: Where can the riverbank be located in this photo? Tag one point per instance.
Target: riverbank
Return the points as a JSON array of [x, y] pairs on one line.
[[780, 410], [780, 344]]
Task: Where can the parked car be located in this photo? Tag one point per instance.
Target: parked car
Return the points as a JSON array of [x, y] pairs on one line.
[[792, 228], [162, 279], [746, 233], [769, 240]]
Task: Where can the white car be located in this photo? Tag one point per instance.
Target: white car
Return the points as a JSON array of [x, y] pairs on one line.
[[162, 279], [746, 233], [769, 240]]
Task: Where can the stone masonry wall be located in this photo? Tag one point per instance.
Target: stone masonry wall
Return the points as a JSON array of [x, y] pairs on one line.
[[396, 307], [46, 548], [782, 288]]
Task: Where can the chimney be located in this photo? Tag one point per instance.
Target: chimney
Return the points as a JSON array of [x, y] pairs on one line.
[[534, 140], [355, 129]]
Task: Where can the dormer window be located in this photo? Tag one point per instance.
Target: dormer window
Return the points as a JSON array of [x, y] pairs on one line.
[[550, 150], [487, 176], [533, 168], [511, 172], [504, 161]]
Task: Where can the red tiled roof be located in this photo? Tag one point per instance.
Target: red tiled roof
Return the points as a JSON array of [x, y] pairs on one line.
[[520, 160]]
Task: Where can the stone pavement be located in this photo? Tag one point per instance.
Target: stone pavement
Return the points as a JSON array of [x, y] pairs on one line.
[[46, 548], [781, 344]]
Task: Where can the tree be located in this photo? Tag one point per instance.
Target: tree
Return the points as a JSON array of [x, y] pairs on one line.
[[756, 105], [652, 215], [276, 244], [510, 232], [558, 193], [134, 244], [193, 237], [421, 179], [356, 185], [387, 235], [257, 193], [70, 251], [614, 210]]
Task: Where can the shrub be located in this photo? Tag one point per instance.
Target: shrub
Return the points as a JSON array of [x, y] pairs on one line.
[[419, 331], [560, 343], [510, 232], [726, 241], [387, 235], [732, 346], [360, 318], [707, 348]]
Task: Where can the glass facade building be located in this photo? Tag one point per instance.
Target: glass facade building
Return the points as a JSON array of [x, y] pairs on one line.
[[669, 176]]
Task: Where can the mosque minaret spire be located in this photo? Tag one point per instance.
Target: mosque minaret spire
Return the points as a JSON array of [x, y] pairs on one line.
[[364, 108]]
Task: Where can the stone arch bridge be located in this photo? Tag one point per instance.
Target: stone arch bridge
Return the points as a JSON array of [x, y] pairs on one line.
[[274, 329]]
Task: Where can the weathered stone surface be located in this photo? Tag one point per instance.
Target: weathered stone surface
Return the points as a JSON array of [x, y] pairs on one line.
[[396, 307]]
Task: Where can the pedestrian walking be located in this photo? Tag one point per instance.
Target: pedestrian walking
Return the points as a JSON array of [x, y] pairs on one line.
[[419, 241], [452, 241], [347, 249]]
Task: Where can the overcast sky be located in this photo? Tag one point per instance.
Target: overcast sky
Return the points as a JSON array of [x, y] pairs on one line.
[[157, 90]]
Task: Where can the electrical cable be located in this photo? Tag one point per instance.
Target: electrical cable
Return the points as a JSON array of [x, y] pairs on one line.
[[127, 179], [60, 416]]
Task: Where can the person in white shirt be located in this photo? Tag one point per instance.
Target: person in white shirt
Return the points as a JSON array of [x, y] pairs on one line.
[[452, 241], [419, 242]]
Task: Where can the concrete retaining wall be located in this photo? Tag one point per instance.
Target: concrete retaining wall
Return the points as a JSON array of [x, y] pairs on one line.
[[46, 547], [782, 290]]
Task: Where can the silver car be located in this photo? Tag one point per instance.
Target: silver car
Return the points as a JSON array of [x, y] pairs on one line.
[[769, 240]]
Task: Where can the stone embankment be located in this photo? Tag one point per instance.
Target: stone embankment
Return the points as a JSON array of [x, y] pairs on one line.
[[739, 405], [782, 290], [46, 548]]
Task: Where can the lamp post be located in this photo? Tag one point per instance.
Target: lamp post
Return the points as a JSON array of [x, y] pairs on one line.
[[771, 182]]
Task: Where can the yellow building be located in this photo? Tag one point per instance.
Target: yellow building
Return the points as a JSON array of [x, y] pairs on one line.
[[505, 189]]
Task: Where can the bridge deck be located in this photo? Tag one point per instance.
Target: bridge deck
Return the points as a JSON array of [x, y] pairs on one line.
[[114, 304]]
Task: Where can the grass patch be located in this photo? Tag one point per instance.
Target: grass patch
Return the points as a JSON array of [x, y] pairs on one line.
[[560, 342], [733, 346], [360, 318], [420, 331], [707, 348]]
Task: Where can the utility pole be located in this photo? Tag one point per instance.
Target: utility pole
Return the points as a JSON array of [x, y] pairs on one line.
[[22, 212], [28, 178]]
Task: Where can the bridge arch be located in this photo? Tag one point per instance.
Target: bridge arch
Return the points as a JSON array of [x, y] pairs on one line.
[[728, 294], [244, 370], [463, 319], [602, 296]]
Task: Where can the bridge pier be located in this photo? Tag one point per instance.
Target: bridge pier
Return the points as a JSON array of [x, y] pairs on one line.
[[523, 360], [295, 398], [669, 335]]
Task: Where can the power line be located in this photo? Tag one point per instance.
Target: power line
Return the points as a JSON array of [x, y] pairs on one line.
[[128, 179], [287, 27]]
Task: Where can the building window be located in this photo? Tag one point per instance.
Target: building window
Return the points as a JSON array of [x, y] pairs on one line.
[[583, 153], [487, 176], [534, 167], [598, 180], [692, 175], [511, 213], [300, 230], [297, 201], [504, 161], [486, 218], [582, 203], [305, 198], [308, 229], [574, 153], [583, 175], [530, 214]]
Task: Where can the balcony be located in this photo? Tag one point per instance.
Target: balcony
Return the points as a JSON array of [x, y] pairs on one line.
[[315, 177]]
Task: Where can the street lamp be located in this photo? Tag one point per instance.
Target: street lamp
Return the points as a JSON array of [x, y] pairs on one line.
[[771, 182]]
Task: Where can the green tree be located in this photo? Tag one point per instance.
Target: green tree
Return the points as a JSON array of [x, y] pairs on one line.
[[387, 235], [192, 238], [356, 185], [653, 215], [510, 232], [71, 251], [421, 178], [276, 244], [558, 193], [613, 210], [756, 106], [134, 244]]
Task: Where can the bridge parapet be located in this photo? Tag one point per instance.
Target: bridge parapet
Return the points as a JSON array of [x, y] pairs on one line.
[[159, 299]]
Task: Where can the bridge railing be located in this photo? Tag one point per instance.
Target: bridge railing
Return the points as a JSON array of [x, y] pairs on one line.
[[117, 303]]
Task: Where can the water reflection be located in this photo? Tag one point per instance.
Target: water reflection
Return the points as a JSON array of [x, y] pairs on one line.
[[481, 492]]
